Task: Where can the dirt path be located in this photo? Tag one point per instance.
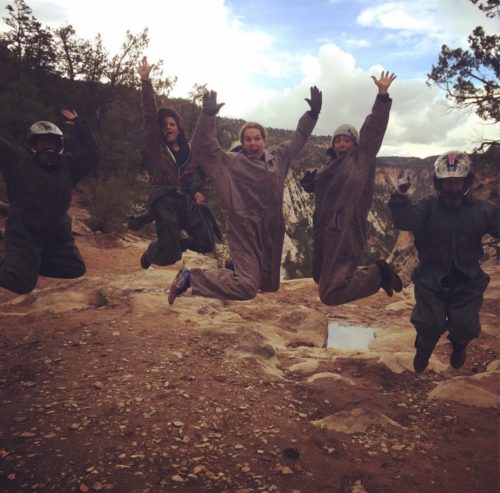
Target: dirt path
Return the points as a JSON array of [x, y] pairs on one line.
[[194, 398]]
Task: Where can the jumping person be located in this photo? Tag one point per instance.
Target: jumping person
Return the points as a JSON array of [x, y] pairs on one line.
[[343, 189], [39, 180], [449, 282], [177, 185], [250, 184]]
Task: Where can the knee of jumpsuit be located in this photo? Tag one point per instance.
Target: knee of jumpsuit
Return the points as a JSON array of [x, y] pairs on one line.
[[330, 297], [248, 290]]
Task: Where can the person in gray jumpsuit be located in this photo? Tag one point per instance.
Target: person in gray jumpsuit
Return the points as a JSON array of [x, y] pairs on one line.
[[39, 180], [449, 282], [250, 185], [343, 189]]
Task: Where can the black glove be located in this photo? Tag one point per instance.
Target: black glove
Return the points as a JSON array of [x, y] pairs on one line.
[[403, 185], [315, 102], [210, 105], [307, 182]]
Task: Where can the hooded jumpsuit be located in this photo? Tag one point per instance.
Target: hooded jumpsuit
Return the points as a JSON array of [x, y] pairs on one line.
[[38, 238], [173, 185], [343, 190], [251, 191]]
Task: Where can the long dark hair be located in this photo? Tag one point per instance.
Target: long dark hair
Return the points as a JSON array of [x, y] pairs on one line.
[[169, 112]]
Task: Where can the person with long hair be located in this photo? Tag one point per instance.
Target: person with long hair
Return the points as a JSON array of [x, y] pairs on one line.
[[177, 185]]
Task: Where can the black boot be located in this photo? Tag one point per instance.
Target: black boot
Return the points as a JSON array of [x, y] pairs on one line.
[[137, 221], [390, 281], [458, 355], [145, 262], [422, 355]]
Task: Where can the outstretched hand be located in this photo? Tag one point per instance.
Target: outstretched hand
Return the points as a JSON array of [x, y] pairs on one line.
[[384, 82], [404, 185], [144, 69], [210, 105], [315, 101], [69, 115]]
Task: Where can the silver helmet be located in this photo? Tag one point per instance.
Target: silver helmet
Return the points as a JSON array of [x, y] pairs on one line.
[[45, 128], [452, 164]]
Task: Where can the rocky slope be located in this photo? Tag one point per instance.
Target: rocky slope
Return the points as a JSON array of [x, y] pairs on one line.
[[105, 387]]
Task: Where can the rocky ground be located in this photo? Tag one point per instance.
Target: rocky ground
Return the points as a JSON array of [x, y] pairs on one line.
[[105, 387]]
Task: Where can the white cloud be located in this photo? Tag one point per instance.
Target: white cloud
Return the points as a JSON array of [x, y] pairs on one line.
[[449, 21], [202, 41]]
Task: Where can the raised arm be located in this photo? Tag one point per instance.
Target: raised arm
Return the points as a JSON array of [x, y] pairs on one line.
[[8, 156], [373, 130], [207, 151], [406, 215], [289, 150], [88, 155], [151, 142]]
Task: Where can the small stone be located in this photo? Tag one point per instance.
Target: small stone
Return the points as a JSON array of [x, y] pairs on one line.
[[177, 424], [84, 488], [286, 470], [239, 446], [177, 479]]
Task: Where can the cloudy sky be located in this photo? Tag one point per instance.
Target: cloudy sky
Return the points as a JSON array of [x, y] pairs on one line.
[[261, 56]]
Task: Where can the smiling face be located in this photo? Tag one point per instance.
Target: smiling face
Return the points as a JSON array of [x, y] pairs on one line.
[[253, 143], [170, 130], [342, 144]]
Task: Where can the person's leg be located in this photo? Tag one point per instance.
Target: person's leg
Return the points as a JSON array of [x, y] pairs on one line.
[[348, 283], [62, 261], [200, 229], [167, 249], [429, 318], [19, 267], [463, 316]]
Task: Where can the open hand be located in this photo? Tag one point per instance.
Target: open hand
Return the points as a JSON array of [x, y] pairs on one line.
[[144, 69], [210, 105], [315, 102], [384, 82], [404, 185], [69, 115]]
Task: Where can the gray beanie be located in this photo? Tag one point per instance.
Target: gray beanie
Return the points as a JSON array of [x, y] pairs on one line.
[[347, 130]]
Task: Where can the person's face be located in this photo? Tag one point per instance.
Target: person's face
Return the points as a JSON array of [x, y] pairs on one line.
[[452, 192], [342, 144], [170, 130], [452, 185], [253, 143], [45, 142]]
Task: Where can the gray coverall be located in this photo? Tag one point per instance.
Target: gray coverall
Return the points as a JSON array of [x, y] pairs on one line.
[[251, 191], [38, 238], [449, 283], [343, 190]]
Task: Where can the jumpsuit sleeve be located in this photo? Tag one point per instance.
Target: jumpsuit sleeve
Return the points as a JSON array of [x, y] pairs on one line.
[[290, 149], [207, 151], [373, 130], [406, 215], [151, 136], [88, 156], [8, 156], [493, 220]]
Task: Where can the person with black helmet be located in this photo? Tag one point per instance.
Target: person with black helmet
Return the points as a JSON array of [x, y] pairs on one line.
[[449, 282], [177, 185], [343, 193], [39, 181]]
